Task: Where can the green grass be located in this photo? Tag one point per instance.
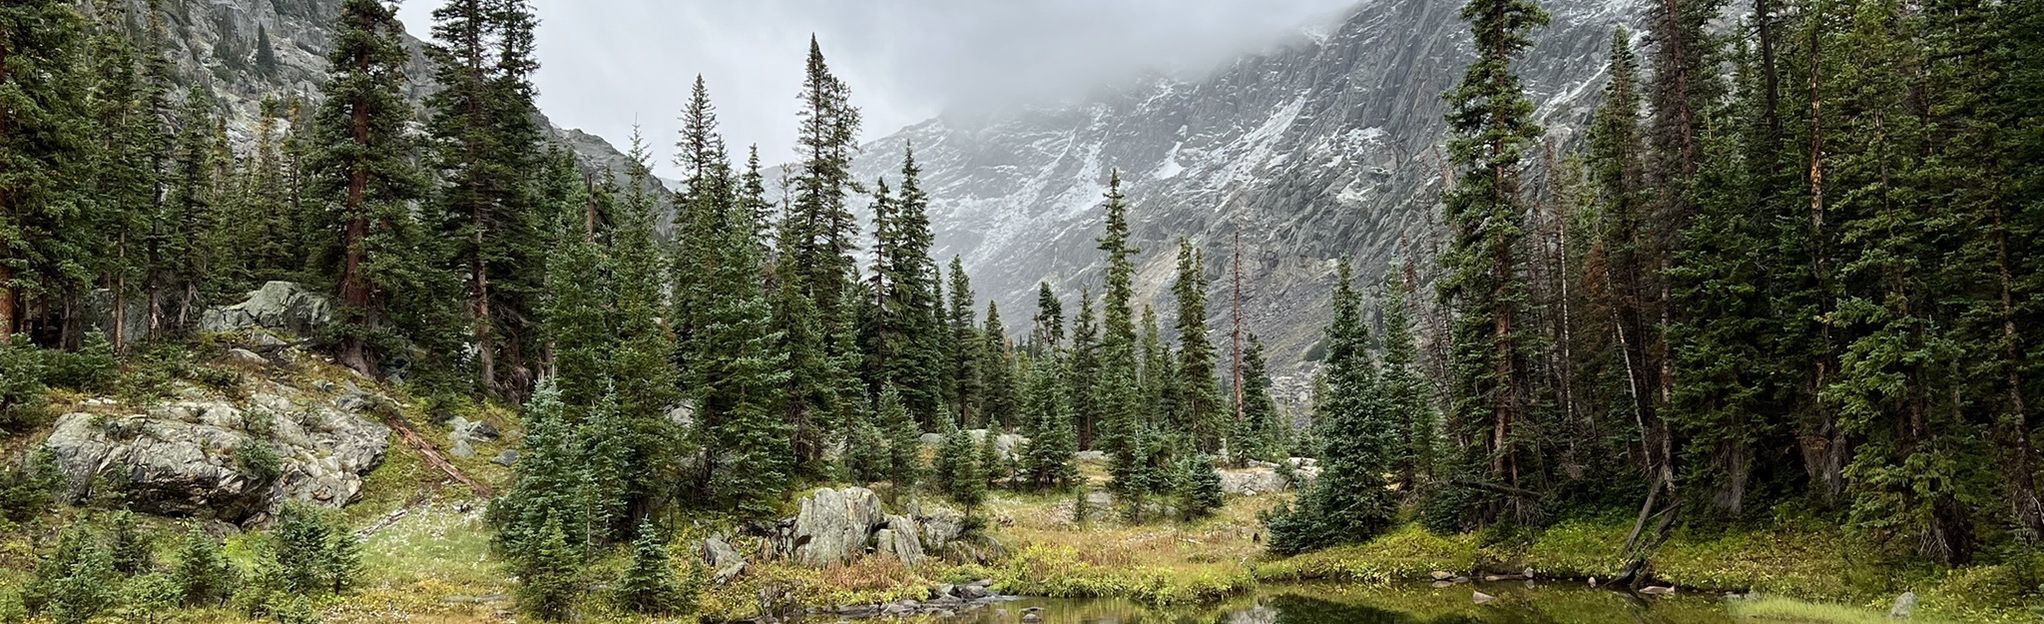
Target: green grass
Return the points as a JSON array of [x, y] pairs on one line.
[[1408, 553]]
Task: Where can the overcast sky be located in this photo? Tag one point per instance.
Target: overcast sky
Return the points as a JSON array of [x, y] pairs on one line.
[[607, 63]]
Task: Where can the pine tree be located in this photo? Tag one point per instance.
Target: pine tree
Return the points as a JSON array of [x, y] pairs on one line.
[[1198, 397], [999, 403], [700, 222], [203, 576], [1491, 126], [991, 462], [649, 585], [608, 467], [73, 584], [969, 482], [302, 551], [1047, 460], [129, 550], [363, 167], [904, 441], [642, 362], [485, 139], [1348, 502]]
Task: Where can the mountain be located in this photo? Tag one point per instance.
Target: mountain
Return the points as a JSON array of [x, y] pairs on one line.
[[1327, 147], [245, 50]]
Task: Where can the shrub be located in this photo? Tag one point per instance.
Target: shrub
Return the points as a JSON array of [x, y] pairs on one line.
[[74, 583], [130, 548], [28, 489], [21, 385], [259, 461], [203, 577]]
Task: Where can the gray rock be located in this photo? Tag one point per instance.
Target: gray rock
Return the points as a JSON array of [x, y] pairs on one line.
[[940, 526], [187, 458], [506, 458], [1481, 598], [246, 357], [1090, 456], [972, 592], [683, 415], [1007, 444], [833, 525], [724, 561], [899, 540], [932, 440], [1905, 606], [277, 306], [1251, 481]]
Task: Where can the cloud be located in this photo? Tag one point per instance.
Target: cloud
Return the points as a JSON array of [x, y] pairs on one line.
[[609, 63]]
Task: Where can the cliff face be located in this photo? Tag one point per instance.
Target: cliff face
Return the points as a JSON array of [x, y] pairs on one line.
[[246, 50], [1324, 149]]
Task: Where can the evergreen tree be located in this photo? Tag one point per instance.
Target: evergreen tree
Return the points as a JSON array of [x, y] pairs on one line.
[[739, 383], [1047, 335], [1047, 460], [1200, 411], [546, 486], [1348, 502], [130, 550], [1117, 396], [362, 167], [953, 455], [73, 584], [649, 585], [1405, 388], [904, 442], [575, 312], [607, 470], [486, 138], [1262, 428], [549, 575], [999, 403], [991, 463], [41, 143], [642, 363], [1199, 486], [969, 483], [1083, 371], [965, 346], [203, 576], [1491, 126], [700, 222]]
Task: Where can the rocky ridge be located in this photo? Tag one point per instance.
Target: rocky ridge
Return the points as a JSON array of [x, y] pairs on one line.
[[1325, 148]]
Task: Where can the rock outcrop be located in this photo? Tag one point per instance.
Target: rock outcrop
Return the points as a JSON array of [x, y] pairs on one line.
[[222, 460], [1259, 478], [284, 307], [834, 526]]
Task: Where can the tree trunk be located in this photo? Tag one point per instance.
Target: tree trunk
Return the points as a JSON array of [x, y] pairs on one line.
[[355, 289]]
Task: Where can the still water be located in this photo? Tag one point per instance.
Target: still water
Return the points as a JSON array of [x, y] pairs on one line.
[[1515, 603]]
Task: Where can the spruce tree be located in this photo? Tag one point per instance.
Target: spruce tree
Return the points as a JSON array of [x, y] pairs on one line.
[[1083, 371], [1200, 411], [549, 575], [1491, 126], [1262, 428], [1047, 334], [999, 403], [739, 383], [904, 441], [203, 575], [965, 347], [648, 585], [953, 453], [1405, 387], [1349, 502], [485, 139], [362, 168], [41, 142], [1047, 416], [546, 485], [1199, 486], [130, 550]]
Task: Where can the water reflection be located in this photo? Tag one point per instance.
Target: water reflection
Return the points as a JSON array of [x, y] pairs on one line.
[[1514, 604]]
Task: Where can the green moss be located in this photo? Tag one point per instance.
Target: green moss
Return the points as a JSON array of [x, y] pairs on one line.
[[1059, 572]]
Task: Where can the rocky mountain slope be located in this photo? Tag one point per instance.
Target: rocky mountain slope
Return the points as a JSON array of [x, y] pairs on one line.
[[246, 50], [1325, 148]]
